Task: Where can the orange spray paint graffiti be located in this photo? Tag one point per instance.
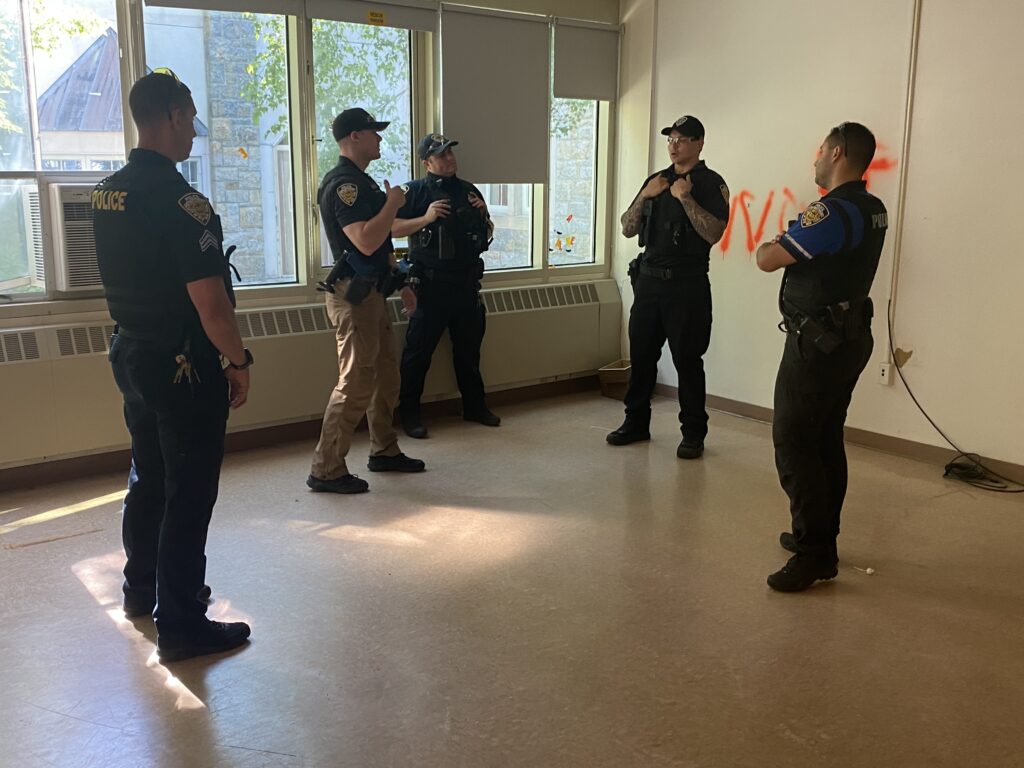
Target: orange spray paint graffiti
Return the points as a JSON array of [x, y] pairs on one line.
[[739, 207]]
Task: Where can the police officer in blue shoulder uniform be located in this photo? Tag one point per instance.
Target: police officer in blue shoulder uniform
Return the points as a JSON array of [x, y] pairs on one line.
[[830, 255], [678, 215], [168, 289], [448, 227], [357, 216]]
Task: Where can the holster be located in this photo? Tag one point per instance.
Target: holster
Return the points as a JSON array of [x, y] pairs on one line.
[[359, 288], [633, 270]]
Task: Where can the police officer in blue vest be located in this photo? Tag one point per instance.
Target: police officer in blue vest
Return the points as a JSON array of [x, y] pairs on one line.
[[679, 213], [178, 360], [448, 226], [830, 255]]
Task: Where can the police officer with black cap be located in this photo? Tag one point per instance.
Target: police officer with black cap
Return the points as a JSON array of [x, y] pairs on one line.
[[678, 215], [448, 227], [830, 255], [168, 288], [357, 216]]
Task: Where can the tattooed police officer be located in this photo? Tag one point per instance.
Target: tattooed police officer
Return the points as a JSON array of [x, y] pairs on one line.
[[679, 213]]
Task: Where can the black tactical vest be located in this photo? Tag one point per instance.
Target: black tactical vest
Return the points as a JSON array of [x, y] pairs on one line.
[[667, 235], [810, 286], [456, 241]]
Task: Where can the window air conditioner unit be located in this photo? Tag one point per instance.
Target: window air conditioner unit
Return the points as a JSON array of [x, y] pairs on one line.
[[74, 245], [34, 242]]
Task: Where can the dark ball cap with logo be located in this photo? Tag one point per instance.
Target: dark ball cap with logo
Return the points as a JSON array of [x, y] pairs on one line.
[[433, 144], [687, 125], [355, 119]]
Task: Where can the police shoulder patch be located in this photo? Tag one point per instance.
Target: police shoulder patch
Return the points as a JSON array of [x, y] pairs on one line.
[[196, 206], [816, 212], [348, 194]]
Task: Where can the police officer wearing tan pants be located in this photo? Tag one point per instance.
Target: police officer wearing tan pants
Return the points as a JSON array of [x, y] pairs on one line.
[[357, 217]]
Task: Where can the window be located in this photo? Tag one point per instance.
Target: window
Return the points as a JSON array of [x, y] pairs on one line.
[[103, 164], [21, 248], [355, 65], [74, 92], [62, 165], [572, 185], [192, 170], [62, 112], [511, 209], [236, 67]]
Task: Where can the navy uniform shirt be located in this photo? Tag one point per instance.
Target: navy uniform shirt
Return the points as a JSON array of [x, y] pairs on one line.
[[154, 235], [837, 243], [463, 222], [347, 195], [671, 240]]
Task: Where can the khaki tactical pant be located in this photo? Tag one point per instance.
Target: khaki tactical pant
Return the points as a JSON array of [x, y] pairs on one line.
[[367, 383]]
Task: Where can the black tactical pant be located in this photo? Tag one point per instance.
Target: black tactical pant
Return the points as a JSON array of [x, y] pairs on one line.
[[678, 311], [812, 394], [177, 433], [451, 305]]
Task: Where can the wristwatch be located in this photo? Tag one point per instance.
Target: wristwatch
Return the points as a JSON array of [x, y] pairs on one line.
[[246, 364]]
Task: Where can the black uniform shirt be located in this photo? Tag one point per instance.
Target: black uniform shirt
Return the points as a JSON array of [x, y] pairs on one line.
[[347, 195], [464, 222], [154, 235], [671, 240]]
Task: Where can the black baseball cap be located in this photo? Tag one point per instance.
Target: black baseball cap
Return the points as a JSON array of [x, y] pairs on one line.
[[433, 144], [355, 119], [687, 125]]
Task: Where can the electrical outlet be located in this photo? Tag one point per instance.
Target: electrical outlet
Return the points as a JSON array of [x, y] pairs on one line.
[[885, 374]]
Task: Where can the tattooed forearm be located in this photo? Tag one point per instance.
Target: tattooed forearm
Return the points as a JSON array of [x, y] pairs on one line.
[[708, 226], [631, 218]]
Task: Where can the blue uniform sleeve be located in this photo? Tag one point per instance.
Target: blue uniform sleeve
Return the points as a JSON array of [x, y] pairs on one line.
[[822, 230]]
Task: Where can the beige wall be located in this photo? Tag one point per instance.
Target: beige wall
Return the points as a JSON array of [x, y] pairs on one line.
[[769, 80], [633, 131]]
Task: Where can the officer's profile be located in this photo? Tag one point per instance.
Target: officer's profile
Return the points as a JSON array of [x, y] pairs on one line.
[[830, 255], [357, 216], [448, 225], [178, 360]]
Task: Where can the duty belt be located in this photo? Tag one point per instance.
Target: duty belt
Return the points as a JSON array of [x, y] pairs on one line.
[[447, 276], [668, 274], [849, 319]]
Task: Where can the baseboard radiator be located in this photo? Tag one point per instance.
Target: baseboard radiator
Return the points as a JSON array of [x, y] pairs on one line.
[[59, 400]]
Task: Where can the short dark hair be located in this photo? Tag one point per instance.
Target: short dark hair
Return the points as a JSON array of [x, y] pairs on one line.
[[857, 141], [155, 95]]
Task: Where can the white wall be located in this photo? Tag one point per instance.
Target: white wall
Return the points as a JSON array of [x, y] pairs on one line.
[[769, 80]]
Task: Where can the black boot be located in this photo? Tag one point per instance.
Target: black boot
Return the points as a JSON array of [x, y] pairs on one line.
[[800, 573], [631, 431]]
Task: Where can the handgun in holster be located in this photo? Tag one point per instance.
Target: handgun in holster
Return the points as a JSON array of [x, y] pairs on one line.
[[327, 284], [633, 270], [825, 339]]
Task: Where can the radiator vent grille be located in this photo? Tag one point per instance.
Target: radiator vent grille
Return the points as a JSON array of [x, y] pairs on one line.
[[19, 347], [84, 340], [539, 297], [282, 322]]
